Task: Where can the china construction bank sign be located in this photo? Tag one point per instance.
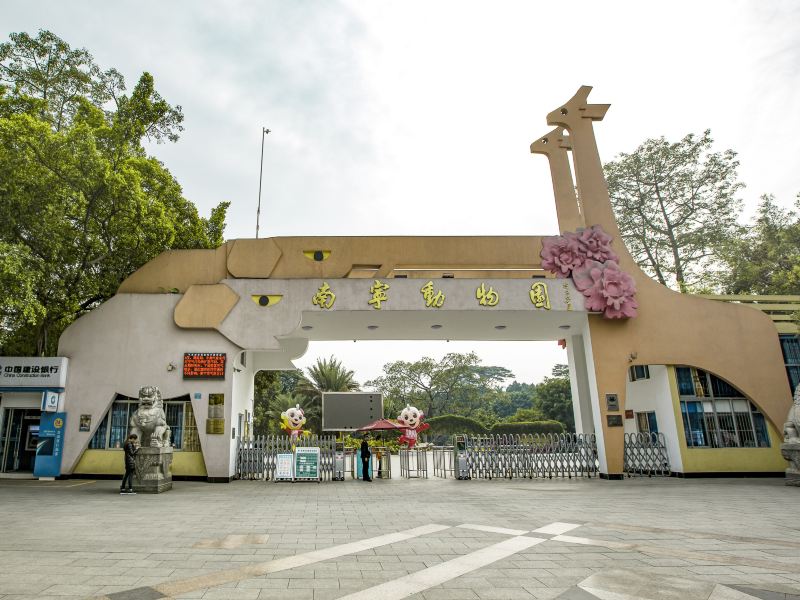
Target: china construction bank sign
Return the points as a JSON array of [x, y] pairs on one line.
[[33, 371]]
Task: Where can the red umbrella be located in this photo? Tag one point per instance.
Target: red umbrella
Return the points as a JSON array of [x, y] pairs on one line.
[[381, 425]]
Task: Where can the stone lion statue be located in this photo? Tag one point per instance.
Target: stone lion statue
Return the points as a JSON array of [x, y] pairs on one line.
[[791, 430], [149, 421]]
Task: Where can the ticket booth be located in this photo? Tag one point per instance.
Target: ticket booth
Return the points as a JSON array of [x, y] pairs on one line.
[[31, 397]]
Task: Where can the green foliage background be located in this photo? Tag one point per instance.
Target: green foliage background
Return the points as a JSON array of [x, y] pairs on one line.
[[82, 204]]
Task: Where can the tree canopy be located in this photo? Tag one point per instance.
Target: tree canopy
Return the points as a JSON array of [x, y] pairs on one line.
[[82, 204], [676, 205], [766, 258], [454, 384]]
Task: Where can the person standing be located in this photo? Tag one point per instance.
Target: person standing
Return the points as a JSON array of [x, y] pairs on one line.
[[131, 448], [365, 456]]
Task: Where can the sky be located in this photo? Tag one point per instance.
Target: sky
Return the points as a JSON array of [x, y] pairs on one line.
[[414, 118]]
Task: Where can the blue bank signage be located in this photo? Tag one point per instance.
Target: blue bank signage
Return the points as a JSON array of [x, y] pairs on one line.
[[50, 446]]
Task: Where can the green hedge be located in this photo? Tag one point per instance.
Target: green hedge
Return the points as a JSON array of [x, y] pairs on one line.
[[450, 424], [529, 428]]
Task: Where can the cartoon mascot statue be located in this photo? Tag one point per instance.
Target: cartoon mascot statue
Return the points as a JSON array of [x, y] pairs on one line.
[[411, 420], [292, 421]]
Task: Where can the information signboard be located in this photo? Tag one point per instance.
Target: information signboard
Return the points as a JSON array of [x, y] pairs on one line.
[[204, 365], [306, 464], [50, 445], [284, 467]]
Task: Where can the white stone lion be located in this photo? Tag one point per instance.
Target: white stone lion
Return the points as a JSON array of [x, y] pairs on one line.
[[791, 430], [149, 422]]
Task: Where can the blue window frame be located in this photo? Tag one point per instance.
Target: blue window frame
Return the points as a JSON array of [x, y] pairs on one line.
[[717, 415]]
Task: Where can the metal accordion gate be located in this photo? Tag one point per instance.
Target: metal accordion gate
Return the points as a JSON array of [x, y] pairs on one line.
[[646, 454], [524, 456], [256, 458]]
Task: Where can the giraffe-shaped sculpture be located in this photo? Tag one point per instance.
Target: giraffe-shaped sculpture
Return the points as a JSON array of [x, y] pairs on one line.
[[554, 146], [671, 328]]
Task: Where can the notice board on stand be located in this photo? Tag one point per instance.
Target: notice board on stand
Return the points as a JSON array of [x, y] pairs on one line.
[[306, 464], [283, 467]]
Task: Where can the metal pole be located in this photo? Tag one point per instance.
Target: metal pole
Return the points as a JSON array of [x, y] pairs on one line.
[[264, 132]]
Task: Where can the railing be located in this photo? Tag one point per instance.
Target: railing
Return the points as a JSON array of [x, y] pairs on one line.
[[443, 461], [413, 463], [646, 454], [256, 458], [529, 456]]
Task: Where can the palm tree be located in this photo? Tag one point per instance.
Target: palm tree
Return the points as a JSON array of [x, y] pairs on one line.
[[328, 375]]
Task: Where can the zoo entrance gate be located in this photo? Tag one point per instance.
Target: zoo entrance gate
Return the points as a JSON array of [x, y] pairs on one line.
[[563, 455]]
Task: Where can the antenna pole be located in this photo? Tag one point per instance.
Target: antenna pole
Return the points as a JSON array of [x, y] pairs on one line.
[[264, 132]]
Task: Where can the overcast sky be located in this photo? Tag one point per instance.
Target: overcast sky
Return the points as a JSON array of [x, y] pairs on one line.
[[415, 117]]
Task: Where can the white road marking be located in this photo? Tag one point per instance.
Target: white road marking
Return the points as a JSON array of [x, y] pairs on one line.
[[232, 541], [489, 529], [420, 581], [556, 528], [722, 592], [174, 588], [606, 595], [591, 542]]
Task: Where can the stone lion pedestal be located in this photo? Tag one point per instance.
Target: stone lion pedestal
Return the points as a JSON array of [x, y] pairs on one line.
[[790, 449], [791, 452], [153, 470]]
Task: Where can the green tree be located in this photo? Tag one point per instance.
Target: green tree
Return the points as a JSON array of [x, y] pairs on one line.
[[676, 206], [327, 375], [554, 398], [516, 396], [526, 415], [458, 384], [19, 306], [81, 202], [269, 386], [766, 259]]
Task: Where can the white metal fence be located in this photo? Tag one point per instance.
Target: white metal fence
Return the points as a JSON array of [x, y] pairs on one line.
[[646, 454], [256, 458], [486, 456], [528, 456]]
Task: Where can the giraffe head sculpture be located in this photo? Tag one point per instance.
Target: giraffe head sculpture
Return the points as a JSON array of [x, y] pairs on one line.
[[568, 115], [556, 140]]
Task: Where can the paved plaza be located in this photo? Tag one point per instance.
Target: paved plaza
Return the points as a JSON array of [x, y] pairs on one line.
[[429, 539]]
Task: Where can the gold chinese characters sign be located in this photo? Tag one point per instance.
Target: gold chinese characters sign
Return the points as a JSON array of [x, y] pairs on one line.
[[432, 300], [485, 295], [378, 292], [539, 296], [324, 298]]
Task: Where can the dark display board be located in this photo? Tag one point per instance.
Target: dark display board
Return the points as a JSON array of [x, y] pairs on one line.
[[347, 411], [204, 365]]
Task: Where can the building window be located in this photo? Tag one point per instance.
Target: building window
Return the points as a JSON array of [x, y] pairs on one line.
[[716, 414], [790, 346], [646, 422], [637, 372], [113, 429]]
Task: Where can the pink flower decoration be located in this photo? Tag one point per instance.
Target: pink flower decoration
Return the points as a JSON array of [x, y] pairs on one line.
[[607, 289], [596, 243], [562, 254]]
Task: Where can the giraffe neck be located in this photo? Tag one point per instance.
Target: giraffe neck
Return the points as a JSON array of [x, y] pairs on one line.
[[593, 190], [569, 216]]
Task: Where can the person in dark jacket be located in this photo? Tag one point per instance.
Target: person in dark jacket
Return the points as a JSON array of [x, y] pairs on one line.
[[365, 456], [131, 448]]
